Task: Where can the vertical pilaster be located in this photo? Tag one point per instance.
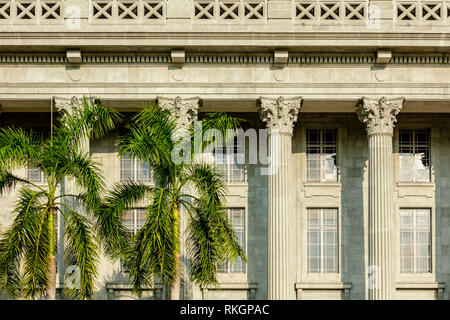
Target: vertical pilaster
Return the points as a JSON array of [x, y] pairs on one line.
[[280, 115], [379, 117], [185, 112]]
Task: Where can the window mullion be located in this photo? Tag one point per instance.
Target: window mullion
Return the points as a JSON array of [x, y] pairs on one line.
[[322, 177], [414, 149], [321, 240], [414, 242]]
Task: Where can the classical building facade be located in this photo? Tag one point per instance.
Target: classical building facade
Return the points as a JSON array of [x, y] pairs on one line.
[[355, 97]]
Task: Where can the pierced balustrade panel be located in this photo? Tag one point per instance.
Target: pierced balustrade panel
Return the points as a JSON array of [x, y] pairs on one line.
[[127, 11], [330, 11], [31, 11], [421, 12], [237, 11]]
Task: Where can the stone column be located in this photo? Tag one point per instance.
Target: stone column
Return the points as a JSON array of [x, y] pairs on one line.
[[186, 112], [379, 117], [66, 187], [280, 115], [61, 104]]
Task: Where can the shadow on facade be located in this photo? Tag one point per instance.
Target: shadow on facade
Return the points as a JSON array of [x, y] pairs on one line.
[[353, 171]]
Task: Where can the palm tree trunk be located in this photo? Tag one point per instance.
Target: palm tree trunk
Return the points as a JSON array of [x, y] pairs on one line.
[[175, 288], [51, 287]]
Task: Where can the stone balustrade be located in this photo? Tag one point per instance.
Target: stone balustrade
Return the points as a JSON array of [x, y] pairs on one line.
[[375, 15]]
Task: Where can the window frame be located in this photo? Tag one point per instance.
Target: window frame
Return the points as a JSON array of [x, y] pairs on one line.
[[229, 164], [134, 231], [42, 180], [135, 168], [321, 229], [228, 270], [431, 239], [321, 145], [413, 172]]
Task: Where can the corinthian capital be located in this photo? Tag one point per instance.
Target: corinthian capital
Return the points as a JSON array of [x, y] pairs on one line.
[[279, 114], [184, 110], [65, 103], [379, 115]]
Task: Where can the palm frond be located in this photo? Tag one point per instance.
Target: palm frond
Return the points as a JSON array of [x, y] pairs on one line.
[[16, 241], [211, 239], [37, 255], [146, 144], [18, 148], [8, 181], [85, 172], [109, 224], [87, 120], [213, 122], [81, 251], [153, 249]]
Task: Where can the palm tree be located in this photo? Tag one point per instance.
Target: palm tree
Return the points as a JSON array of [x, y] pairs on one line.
[[155, 250], [28, 247]]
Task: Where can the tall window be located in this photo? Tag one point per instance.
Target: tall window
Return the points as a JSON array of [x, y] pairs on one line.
[[414, 155], [321, 157], [322, 240], [36, 175], [133, 221], [134, 169], [415, 240], [237, 219], [229, 164]]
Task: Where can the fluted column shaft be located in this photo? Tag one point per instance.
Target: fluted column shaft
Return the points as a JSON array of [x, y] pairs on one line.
[[280, 220], [185, 111], [381, 218], [379, 116], [66, 187], [280, 116]]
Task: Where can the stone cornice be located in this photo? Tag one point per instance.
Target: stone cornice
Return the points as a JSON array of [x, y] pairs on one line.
[[279, 114], [184, 110], [379, 115]]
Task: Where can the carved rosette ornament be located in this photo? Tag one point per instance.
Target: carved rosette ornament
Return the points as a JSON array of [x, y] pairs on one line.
[[185, 110], [65, 103], [279, 114], [379, 115]]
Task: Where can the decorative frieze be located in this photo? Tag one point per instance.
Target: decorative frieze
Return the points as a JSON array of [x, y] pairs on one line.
[[279, 114], [379, 115]]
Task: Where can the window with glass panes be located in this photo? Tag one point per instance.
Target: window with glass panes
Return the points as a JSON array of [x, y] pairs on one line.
[[133, 220], [36, 175], [322, 240], [321, 155], [237, 219], [134, 169], [414, 155], [230, 163], [415, 240]]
